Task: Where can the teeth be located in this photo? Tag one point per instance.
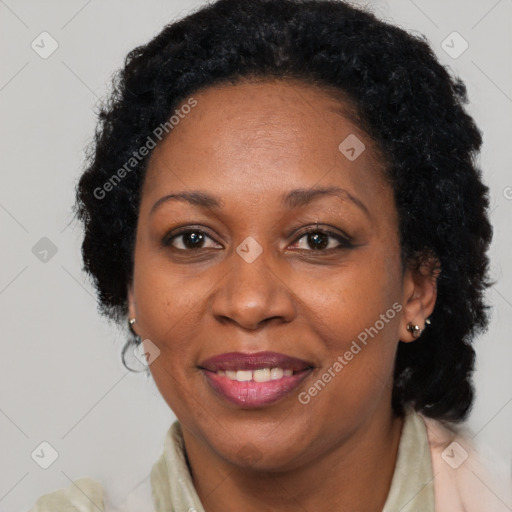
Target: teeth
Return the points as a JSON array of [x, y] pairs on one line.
[[276, 373], [259, 375], [262, 375], [243, 375]]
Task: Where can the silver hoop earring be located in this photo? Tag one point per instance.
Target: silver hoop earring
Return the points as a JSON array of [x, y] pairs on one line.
[[131, 321]]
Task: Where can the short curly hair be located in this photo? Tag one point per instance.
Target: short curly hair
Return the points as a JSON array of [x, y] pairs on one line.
[[406, 101]]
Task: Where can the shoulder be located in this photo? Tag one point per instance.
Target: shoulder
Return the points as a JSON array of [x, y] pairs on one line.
[[87, 495], [465, 478], [83, 495]]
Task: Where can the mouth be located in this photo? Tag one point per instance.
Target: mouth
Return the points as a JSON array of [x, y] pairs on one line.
[[254, 380]]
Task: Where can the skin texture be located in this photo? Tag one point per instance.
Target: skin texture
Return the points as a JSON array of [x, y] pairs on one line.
[[249, 144]]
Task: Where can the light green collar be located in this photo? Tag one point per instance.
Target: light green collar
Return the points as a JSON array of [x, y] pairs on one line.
[[412, 487]]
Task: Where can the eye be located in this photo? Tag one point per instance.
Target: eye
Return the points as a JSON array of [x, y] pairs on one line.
[[187, 239], [318, 240]]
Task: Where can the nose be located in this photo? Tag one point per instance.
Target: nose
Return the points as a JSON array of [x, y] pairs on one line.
[[253, 294]]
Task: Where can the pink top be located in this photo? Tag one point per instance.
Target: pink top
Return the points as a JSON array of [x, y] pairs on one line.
[[463, 480]]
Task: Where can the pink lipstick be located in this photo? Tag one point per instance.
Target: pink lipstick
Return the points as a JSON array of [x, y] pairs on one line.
[[254, 380]]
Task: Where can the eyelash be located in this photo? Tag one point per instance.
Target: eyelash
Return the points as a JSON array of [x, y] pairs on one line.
[[345, 241]]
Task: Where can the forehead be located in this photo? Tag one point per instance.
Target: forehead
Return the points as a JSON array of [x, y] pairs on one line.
[[261, 136]]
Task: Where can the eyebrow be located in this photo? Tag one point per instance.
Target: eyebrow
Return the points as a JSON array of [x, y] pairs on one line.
[[293, 199]]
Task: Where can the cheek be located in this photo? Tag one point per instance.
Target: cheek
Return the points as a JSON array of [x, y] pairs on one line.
[[357, 317], [169, 301], [356, 298], [170, 307]]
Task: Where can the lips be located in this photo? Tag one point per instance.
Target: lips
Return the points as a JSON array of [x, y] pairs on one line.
[[240, 361], [254, 380]]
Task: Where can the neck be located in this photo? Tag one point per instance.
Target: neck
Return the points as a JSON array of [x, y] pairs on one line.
[[336, 480]]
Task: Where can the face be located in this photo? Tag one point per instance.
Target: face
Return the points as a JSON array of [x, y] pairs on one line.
[[270, 263]]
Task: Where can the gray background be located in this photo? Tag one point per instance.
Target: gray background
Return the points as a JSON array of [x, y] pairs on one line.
[[61, 377]]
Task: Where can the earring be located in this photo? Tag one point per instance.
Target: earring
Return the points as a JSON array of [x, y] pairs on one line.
[[414, 330], [131, 321]]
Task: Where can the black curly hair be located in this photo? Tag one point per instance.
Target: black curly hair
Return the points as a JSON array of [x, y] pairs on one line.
[[404, 99]]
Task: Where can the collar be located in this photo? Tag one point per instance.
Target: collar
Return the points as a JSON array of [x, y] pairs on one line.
[[412, 487]]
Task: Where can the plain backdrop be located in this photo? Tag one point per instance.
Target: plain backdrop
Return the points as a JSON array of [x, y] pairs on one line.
[[61, 377]]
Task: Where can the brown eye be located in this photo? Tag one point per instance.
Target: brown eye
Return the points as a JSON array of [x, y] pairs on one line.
[[320, 240], [187, 240]]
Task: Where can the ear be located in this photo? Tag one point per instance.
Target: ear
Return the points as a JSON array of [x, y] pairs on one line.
[[419, 294]]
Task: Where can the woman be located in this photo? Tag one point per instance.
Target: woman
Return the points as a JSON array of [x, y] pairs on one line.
[[282, 204]]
